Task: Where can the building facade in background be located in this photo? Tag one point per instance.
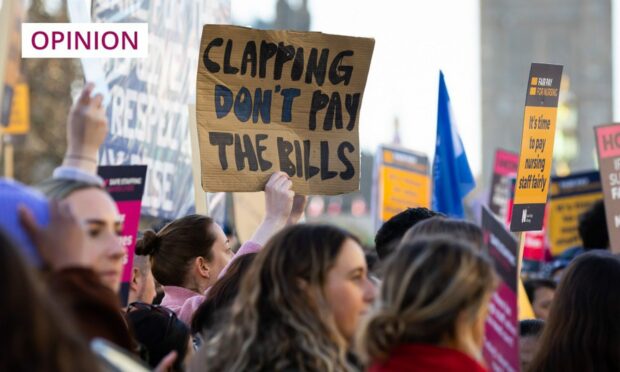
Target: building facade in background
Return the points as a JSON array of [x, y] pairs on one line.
[[574, 33]]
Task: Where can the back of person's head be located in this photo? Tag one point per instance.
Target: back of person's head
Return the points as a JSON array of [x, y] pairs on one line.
[[458, 229], [39, 336], [159, 331], [173, 249], [13, 195], [531, 285], [429, 287], [593, 227], [281, 316], [531, 327], [583, 330], [392, 231], [142, 287], [221, 294]]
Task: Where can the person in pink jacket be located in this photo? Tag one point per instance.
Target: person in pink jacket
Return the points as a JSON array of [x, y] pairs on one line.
[[189, 254]]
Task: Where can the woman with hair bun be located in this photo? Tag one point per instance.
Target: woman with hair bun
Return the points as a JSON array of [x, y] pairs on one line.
[[431, 311], [189, 254]]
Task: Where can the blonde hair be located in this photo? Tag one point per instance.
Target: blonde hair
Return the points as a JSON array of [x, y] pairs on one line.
[[427, 285], [280, 318]]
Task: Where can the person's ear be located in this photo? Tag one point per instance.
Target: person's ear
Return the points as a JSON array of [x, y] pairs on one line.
[[133, 284], [202, 267]]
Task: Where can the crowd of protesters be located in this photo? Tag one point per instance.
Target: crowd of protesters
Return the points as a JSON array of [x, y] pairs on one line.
[[294, 297]]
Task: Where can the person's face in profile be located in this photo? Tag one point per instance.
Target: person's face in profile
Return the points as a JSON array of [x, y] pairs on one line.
[[543, 297], [348, 290], [528, 346]]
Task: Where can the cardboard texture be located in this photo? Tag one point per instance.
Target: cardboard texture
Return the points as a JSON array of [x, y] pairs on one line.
[[539, 119], [280, 100], [570, 197], [608, 148]]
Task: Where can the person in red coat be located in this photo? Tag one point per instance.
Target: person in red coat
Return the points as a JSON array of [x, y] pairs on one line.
[[432, 308]]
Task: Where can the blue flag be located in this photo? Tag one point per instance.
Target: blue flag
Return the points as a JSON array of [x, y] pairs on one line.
[[452, 178]]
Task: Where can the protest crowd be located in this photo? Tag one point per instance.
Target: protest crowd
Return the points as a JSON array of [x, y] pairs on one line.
[[436, 292], [296, 296]]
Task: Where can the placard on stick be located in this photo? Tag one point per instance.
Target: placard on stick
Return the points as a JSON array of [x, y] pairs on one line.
[[280, 100], [401, 180], [541, 106], [608, 148], [125, 183], [505, 168], [501, 345]]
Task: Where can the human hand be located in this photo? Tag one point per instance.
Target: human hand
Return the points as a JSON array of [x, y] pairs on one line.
[[278, 204], [299, 206], [61, 243], [278, 198], [87, 127]]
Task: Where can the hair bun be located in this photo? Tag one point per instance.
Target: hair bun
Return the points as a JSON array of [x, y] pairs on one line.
[[384, 331], [149, 244]]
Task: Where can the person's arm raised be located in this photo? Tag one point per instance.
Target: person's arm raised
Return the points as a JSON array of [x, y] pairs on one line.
[[278, 206], [87, 127]]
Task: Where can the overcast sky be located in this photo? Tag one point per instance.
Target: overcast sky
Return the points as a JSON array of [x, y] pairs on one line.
[[413, 41]]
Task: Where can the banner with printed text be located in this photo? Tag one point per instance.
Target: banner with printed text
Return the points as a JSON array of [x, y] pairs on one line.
[[541, 106], [148, 108]]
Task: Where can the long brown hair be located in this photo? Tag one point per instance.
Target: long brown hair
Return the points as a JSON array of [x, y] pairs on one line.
[[175, 246], [582, 332], [38, 336], [280, 319], [428, 284]]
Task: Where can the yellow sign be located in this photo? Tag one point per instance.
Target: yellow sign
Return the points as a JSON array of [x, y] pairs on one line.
[[533, 175], [570, 197], [402, 181], [19, 119], [286, 101]]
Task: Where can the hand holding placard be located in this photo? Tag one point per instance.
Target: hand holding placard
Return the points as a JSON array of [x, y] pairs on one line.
[[278, 205]]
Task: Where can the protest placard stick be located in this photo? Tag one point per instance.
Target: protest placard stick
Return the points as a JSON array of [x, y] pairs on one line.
[[8, 159], [200, 197], [524, 305]]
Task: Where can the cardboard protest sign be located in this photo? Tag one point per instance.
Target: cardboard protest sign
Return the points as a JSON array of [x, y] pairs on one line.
[[608, 148], [401, 180], [501, 345], [125, 183], [570, 197], [504, 167], [280, 100], [539, 119], [148, 112]]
